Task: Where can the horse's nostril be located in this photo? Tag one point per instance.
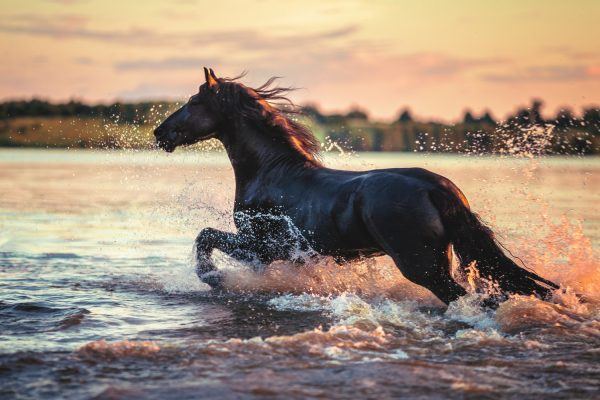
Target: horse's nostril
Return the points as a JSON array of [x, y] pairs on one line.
[[165, 135]]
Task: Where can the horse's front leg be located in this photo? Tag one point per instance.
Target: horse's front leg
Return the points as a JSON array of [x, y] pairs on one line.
[[229, 243]]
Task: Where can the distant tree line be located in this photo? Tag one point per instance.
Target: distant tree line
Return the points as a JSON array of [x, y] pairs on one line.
[[132, 113], [526, 128]]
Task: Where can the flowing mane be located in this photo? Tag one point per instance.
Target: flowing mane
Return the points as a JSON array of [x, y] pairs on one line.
[[268, 106]]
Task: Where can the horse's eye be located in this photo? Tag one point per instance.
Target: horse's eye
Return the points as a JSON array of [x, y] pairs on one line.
[[194, 99]]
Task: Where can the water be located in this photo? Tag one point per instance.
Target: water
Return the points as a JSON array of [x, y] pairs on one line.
[[98, 296]]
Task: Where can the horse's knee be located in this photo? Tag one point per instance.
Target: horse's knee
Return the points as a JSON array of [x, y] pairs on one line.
[[205, 240], [204, 244]]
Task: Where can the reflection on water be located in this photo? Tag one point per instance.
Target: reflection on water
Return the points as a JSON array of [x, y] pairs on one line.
[[98, 295]]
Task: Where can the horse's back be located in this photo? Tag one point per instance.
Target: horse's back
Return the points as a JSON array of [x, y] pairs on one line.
[[432, 181], [399, 200]]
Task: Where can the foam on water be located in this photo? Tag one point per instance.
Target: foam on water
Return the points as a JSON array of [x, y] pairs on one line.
[[478, 327], [323, 276], [101, 350], [180, 279]]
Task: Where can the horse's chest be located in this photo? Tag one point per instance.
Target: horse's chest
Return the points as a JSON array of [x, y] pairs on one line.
[[273, 236], [299, 215]]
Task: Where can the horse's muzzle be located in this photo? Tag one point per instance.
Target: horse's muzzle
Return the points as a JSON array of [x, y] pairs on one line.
[[165, 140], [166, 146]]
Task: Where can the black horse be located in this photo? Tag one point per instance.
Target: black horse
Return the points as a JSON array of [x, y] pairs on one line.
[[286, 201]]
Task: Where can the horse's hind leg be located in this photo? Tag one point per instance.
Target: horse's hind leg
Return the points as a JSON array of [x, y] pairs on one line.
[[430, 268], [229, 243], [423, 257]]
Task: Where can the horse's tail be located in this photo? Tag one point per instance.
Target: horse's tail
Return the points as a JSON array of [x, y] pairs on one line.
[[473, 241]]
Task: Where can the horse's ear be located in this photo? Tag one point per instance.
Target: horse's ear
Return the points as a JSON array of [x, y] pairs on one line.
[[212, 73], [211, 81]]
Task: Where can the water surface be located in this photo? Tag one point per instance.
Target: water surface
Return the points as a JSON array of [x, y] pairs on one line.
[[98, 296]]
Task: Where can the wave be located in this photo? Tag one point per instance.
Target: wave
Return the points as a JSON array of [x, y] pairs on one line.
[[31, 317], [102, 350], [367, 330]]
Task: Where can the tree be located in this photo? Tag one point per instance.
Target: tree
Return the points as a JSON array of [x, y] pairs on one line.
[[591, 119], [536, 112], [357, 114], [468, 118], [564, 118], [312, 111], [487, 118], [405, 116]]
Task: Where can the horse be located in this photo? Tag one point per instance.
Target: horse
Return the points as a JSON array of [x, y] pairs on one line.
[[287, 202]]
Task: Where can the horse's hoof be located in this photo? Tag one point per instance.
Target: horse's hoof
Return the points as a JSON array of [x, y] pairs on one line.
[[214, 279]]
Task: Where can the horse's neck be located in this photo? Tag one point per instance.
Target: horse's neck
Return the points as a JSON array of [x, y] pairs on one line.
[[255, 154]]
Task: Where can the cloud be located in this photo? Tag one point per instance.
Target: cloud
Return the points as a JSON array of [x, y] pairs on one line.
[[253, 40], [440, 64], [83, 60], [416, 68], [64, 21], [148, 90], [550, 73], [571, 53], [70, 26], [170, 63], [65, 2], [61, 31]]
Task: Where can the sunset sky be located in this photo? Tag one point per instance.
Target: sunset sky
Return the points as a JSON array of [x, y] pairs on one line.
[[437, 57]]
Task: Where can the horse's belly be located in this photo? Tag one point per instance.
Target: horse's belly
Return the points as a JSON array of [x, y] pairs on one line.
[[347, 241]]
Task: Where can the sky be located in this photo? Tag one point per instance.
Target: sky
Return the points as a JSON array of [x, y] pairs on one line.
[[436, 57]]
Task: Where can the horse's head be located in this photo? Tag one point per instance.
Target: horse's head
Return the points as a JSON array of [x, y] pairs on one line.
[[219, 106], [193, 122]]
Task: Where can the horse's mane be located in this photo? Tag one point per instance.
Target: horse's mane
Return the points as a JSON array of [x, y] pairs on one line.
[[268, 105]]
